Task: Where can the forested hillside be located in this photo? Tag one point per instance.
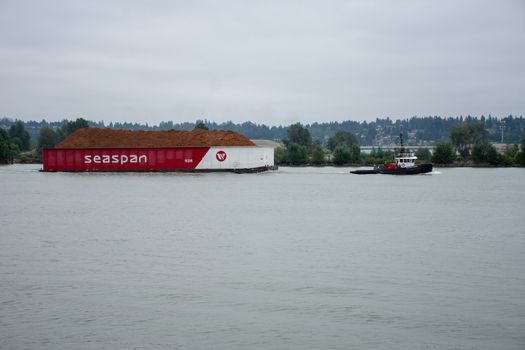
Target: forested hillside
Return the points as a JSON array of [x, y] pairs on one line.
[[381, 132]]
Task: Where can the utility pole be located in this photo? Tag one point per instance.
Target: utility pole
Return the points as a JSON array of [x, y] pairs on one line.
[[502, 127]]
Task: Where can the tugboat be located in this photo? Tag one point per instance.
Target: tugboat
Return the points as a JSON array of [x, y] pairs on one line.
[[404, 164]]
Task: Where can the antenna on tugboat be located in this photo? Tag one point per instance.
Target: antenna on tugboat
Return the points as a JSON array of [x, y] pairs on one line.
[[402, 146]]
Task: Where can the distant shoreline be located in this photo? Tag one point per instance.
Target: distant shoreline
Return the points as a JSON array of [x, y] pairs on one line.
[[460, 165], [453, 165]]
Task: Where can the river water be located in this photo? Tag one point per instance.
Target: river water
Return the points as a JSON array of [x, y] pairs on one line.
[[300, 258]]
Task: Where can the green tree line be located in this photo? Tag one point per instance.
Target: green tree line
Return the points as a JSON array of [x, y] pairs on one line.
[[425, 130], [342, 148], [467, 144], [16, 142]]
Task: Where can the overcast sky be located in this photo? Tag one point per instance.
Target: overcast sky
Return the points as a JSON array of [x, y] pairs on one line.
[[273, 62]]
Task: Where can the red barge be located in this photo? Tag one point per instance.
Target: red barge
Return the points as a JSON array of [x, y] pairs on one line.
[[93, 149]]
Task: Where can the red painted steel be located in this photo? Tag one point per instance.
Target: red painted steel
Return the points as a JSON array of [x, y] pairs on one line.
[[122, 159]]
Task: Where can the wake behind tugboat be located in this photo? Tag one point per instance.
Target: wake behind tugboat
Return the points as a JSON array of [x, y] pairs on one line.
[[405, 164]]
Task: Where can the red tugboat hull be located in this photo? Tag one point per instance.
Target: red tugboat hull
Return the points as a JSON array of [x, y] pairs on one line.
[[418, 169]]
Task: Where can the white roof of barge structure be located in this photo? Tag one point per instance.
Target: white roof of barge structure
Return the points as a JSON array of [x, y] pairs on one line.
[[267, 143]]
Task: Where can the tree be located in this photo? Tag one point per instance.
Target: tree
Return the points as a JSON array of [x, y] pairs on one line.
[[70, 127], [19, 136], [423, 154], [520, 157], [318, 155], [342, 155], [280, 156], [444, 153], [381, 153], [342, 138], [511, 155], [465, 135], [378, 156], [298, 142], [200, 125], [485, 152], [6, 149], [347, 147], [298, 134], [47, 138], [355, 153], [296, 154]]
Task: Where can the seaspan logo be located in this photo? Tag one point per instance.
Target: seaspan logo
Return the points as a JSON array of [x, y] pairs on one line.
[[221, 156], [115, 159]]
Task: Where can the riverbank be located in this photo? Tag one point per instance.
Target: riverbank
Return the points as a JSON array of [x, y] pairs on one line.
[[452, 165], [481, 165]]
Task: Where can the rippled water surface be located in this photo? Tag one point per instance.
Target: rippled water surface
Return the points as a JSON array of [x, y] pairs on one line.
[[301, 258]]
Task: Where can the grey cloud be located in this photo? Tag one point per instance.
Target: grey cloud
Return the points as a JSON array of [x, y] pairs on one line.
[[268, 61]]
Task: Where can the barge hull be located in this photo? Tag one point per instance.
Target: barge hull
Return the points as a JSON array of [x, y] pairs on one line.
[[194, 159]]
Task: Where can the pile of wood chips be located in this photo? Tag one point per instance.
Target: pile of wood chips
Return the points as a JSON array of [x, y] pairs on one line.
[[109, 138]]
